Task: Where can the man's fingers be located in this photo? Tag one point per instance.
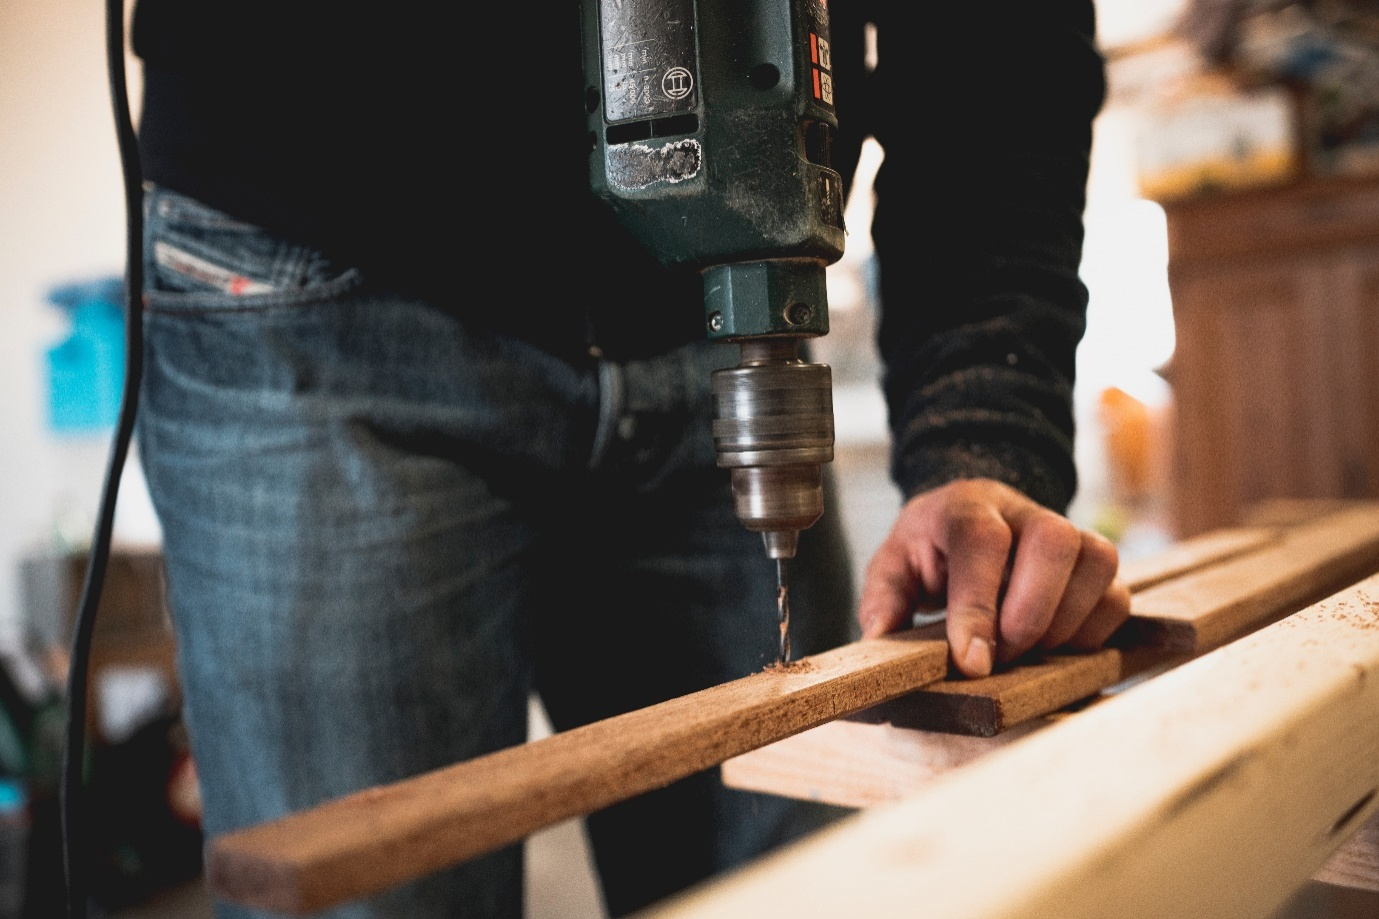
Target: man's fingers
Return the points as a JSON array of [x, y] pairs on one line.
[[953, 546], [905, 573], [1048, 551], [1108, 615], [977, 544], [1095, 569], [888, 590]]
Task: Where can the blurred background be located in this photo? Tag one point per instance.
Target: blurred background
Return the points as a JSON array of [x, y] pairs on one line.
[[1232, 258]]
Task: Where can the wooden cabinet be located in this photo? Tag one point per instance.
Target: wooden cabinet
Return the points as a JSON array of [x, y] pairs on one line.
[[1276, 389]]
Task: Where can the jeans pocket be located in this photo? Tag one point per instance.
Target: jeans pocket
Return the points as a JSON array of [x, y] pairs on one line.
[[198, 259]]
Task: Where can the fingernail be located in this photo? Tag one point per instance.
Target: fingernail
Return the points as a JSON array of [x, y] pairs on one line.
[[979, 656]]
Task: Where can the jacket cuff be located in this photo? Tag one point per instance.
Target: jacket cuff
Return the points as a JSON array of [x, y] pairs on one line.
[[1050, 482]]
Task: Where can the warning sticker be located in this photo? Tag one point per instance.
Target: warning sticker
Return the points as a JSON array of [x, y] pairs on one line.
[[820, 53], [821, 57]]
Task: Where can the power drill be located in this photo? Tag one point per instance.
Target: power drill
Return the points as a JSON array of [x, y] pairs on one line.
[[710, 124]]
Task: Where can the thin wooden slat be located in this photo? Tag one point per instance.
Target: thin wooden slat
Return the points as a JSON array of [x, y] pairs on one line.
[[1039, 685], [1253, 763], [1194, 553], [1171, 621], [1208, 608], [381, 837]]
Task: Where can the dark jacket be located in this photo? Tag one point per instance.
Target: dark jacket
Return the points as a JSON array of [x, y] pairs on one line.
[[442, 149]]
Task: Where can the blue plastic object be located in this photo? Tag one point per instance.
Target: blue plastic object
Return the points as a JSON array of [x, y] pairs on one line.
[[14, 848], [13, 795], [86, 370]]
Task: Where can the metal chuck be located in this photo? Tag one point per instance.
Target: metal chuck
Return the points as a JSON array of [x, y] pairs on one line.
[[773, 427]]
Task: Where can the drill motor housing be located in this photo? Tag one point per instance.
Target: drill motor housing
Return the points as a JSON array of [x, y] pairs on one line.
[[711, 125]]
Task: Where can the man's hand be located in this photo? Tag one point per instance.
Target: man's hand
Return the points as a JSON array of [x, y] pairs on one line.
[[1012, 573]]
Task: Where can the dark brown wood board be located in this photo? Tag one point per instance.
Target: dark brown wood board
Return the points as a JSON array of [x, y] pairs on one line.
[[381, 837]]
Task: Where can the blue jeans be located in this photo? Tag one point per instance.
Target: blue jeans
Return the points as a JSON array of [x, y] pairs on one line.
[[384, 528]]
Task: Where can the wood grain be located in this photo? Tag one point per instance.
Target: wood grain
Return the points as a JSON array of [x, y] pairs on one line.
[[1214, 790], [385, 836]]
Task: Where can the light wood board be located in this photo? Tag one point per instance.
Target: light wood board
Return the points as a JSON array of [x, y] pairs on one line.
[[858, 764], [855, 764]]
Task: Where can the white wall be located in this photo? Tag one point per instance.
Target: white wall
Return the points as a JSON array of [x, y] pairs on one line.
[[61, 219]]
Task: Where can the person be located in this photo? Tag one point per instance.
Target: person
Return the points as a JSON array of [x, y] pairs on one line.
[[427, 431]]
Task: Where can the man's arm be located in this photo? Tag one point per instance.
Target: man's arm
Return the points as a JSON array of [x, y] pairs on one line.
[[985, 114]]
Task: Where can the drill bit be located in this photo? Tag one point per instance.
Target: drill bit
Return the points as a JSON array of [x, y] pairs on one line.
[[783, 610]]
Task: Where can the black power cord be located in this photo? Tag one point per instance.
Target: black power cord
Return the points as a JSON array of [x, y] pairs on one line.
[[74, 853]]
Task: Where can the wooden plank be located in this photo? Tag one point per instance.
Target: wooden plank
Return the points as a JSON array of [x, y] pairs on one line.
[[1253, 763], [381, 837], [1355, 864], [1208, 608], [1194, 553], [860, 764], [854, 763], [1038, 684], [864, 764], [1171, 621]]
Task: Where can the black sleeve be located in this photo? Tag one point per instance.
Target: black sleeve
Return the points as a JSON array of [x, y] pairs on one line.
[[984, 111]]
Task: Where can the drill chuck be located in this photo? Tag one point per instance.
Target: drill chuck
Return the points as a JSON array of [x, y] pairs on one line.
[[710, 126], [773, 428]]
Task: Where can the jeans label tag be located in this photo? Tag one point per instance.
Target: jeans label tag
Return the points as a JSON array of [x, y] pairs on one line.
[[198, 269]]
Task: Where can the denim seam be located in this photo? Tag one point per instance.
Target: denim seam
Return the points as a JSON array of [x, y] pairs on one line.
[[173, 207]]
